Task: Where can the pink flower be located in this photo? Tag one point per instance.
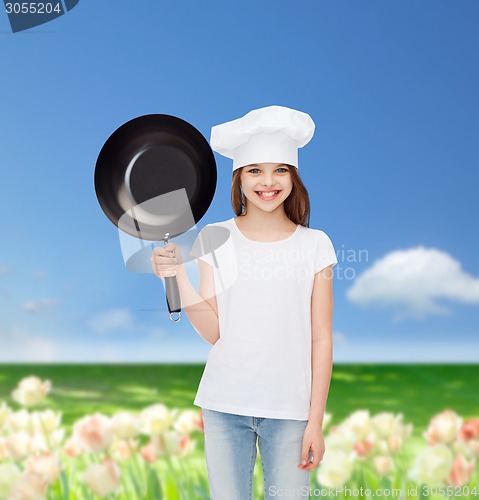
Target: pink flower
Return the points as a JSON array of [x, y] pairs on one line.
[[363, 447], [45, 465], [123, 449], [395, 443], [104, 478], [95, 432], [443, 428], [474, 447], [383, 464], [470, 429], [173, 443], [461, 471], [148, 453], [74, 446], [30, 486]]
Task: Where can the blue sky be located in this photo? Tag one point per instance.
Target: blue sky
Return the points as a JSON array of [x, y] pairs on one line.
[[392, 170]]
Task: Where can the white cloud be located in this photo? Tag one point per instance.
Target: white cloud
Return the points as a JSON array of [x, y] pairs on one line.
[[5, 269], [411, 282], [20, 345], [39, 305], [112, 321]]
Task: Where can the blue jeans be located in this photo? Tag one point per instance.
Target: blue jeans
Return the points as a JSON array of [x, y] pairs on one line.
[[230, 454]]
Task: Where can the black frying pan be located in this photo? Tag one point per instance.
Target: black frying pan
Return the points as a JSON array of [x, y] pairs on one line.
[[145, 158]]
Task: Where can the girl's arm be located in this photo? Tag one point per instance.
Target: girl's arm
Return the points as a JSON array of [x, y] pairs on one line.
[[201, 309], [321, 343]]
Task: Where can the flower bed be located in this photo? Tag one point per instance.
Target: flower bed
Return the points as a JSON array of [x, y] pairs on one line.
[[153, 454]]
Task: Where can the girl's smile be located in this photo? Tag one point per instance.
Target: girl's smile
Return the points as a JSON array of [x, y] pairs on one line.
[[268, 195]]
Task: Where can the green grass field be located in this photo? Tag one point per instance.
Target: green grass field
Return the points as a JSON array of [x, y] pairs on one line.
[[417, 391]]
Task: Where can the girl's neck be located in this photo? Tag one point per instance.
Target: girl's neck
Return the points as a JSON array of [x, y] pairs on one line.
[[265, 222]]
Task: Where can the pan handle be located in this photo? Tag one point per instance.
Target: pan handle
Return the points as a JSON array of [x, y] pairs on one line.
[[172, 292]]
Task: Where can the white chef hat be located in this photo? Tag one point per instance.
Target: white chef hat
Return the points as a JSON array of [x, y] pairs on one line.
[[267, 135]]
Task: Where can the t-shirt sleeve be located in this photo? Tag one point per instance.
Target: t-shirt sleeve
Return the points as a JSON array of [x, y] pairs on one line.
[[201, 245], [325, 254]]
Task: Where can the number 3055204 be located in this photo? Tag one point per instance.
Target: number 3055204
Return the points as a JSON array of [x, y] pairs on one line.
[[33, 8]]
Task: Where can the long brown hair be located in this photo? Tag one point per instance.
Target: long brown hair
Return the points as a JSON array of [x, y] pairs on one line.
[[296, 205]]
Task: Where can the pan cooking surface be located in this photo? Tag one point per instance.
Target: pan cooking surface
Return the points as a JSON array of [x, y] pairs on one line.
[[177, 171], [150, 156]]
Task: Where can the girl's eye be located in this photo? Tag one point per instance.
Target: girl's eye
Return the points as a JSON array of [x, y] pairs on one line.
[[280, 168]]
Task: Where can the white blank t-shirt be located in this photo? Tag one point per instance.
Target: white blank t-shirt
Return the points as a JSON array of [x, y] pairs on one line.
[[261, 364]]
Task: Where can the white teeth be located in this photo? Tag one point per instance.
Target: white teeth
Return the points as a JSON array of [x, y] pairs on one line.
[[270, 194]]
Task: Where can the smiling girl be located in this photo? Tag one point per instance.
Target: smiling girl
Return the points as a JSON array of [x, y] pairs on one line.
[[265, 302]]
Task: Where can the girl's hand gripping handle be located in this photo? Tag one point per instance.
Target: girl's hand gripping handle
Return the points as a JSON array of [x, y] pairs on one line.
[[165, 261]]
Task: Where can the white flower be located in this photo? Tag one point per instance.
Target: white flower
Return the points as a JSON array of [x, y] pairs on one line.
[[340, 438], [3, 449], [432, 465], [187, 422], [386, 424], [45, 442], [156, 419], [335, 469], [126, 424], [5, 412], [9, 474], [104, 478], [46, 421], [173, 443], [20, 421], [359, 422], [31, 391], [29, 486], [443, 427], [19, 445]]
